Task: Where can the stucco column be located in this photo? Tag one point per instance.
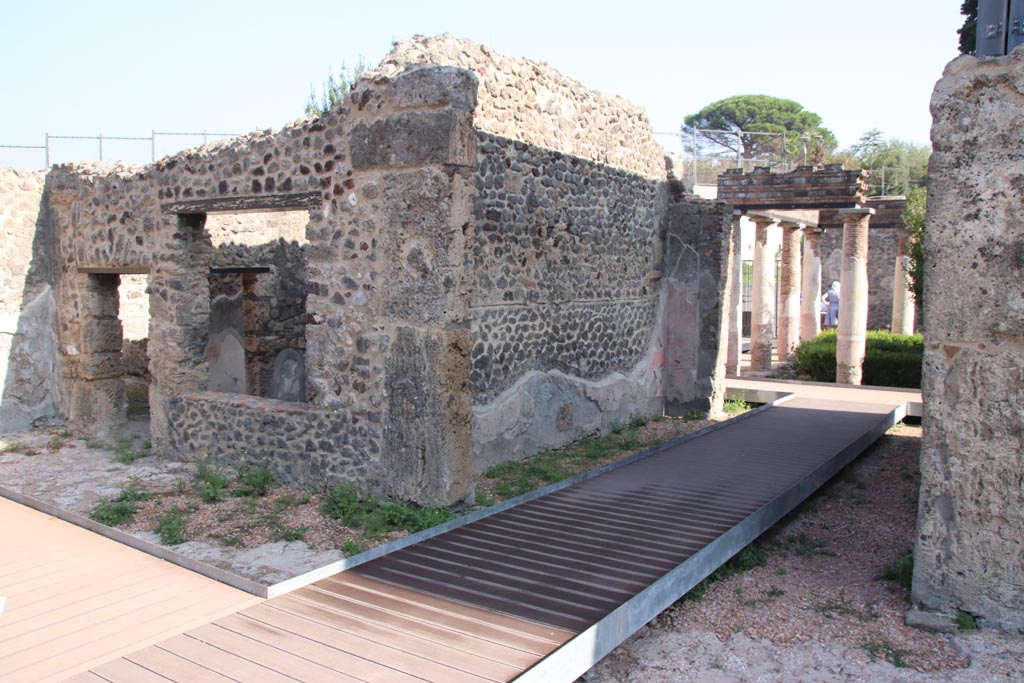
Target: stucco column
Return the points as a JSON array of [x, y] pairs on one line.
[[762, 298], [902, 300], [734, 316], [789, 290], [810, 305], [853, 296]]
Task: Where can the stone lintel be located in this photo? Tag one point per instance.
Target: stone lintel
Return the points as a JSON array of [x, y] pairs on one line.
[[857, 211], [114, 270], [241, 204]]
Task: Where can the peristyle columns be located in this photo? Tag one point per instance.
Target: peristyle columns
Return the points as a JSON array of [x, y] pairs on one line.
[[761, 328], [810, 305], [789, 290], [734, 317], [853, 296], [902, 300]]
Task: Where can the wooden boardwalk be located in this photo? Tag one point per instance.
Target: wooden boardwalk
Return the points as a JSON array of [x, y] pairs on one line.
[[541, 591], [75, 599]]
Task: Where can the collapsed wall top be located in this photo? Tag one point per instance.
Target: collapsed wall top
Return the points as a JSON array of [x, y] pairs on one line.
[[529, 101]]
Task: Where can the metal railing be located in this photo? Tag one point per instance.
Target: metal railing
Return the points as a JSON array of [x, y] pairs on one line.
[[48, 148]]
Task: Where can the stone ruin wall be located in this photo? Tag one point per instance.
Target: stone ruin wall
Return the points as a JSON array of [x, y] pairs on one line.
[[970, 544], [571, 211], [29, 379], [565, 298], [529, 101], [369, 180], [427, 241]]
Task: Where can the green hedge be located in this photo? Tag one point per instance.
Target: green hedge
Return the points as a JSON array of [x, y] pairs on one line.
[[890, 360]]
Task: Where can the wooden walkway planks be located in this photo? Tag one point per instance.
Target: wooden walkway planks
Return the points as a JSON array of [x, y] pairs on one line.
[[542, 590], [75, 599]]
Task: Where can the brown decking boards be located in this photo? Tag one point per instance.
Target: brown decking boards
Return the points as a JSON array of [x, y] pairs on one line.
[[538, 591], [75, 599]]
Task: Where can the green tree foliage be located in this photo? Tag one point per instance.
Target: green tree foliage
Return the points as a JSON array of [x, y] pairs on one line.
[[913, 218], [905, 163], [969, 31], [335, 89], [742, 115]]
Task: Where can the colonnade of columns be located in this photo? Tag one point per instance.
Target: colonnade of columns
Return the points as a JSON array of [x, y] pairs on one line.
[[799, 296]]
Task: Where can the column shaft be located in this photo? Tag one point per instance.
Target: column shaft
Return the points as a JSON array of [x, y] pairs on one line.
[[734, 318], [853, 297], [789, 292], [902, 300], [762, 300], [810, 305]]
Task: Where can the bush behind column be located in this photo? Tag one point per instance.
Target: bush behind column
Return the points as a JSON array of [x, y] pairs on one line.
[[890, 360]]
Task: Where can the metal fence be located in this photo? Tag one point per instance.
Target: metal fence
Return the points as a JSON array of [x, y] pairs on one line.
[[50, 147]]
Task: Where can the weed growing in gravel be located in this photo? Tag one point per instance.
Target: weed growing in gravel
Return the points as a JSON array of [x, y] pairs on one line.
[[735, 406], [352, 547], [966, 622], [376, 519], [694, 415], [751, 557], [290, 534], [900, 572], [210, 483], [842, 607], [171, 526], [885, 650], [804, 545], [118, 510], [17, 447], [516, 478], [253, 482], [126, 452]]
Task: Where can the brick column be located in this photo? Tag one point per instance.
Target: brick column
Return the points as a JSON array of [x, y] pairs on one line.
[[810, 305], [789, 291], [902, 300], [853, 296], [761, 331], [734, 315]]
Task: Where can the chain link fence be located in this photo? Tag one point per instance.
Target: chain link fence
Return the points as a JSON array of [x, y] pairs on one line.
[[130, 149]]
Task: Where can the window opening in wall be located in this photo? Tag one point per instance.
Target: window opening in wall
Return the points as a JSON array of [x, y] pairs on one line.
[[257, 338], [133, 312]]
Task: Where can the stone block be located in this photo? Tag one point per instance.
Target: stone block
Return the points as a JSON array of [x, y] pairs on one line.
[[102, 335], [435, 85], [427, 445], [98, 366], [415, 138]]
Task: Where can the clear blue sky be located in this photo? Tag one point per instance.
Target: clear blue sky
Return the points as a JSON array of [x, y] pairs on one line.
[[126, 68]]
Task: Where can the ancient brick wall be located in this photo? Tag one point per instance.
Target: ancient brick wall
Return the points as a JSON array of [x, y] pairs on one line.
[[462, 284], [526, 100], [390, 160], [29, 378], [565, 297], [970, 541]]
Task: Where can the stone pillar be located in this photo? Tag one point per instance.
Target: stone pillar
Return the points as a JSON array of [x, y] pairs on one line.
[[853, 296], [902, 300], [789, 291], [734, 316], [762, 299], [96, 392], [810, 305]]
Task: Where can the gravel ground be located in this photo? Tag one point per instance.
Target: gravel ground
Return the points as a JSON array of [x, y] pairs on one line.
[[817, 611]]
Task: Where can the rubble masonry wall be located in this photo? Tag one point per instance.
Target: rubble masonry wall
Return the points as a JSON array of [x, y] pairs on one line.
[[970, 544]]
